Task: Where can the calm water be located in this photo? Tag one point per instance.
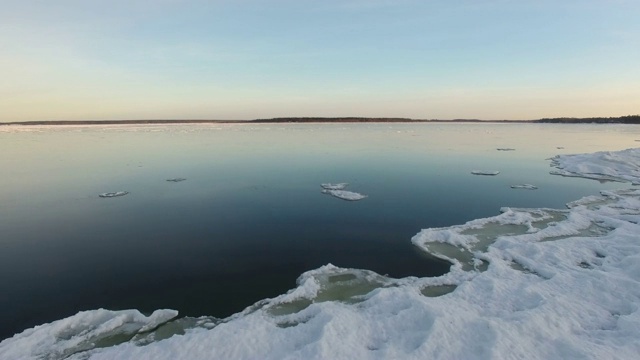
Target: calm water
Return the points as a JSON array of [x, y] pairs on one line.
[[250, 217]]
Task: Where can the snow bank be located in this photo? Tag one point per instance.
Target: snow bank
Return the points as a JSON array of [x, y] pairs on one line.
[[525, 284]]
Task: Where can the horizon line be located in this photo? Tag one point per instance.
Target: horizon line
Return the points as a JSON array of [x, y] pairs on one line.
[[319, 119]]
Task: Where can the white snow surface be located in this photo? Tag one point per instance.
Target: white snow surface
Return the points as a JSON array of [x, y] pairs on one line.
[[605, 165], [81, 332], [529, 284]]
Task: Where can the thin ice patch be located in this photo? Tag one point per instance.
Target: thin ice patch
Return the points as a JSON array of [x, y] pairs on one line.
[[486, 173], [462, 243], [345, 195], [437, 290], [328, 283], [113, 194], [524, 187], [337, 190], [338, 186]]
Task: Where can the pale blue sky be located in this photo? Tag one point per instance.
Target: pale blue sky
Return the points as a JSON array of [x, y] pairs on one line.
[[170, 59]]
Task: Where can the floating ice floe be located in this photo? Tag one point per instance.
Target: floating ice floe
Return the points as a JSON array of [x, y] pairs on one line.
[[488, 173], [337, 190], [113, 194], [176, 179], [344, 194], [505, 149], [524, 284], [524, 186], [338, 186]]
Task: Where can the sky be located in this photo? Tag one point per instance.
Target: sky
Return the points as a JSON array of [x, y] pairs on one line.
[[172, 59]]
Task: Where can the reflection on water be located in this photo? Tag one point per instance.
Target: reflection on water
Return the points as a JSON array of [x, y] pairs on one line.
[[250, 217]]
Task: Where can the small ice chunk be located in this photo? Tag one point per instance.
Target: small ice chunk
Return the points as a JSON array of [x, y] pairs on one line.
[[344, 194], [176, 179], [113, 194], [488, 173], [505, 149], [524, 186], [339, 186], [560, 147]]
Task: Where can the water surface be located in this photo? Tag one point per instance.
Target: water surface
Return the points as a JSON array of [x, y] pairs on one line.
[[250, 217]]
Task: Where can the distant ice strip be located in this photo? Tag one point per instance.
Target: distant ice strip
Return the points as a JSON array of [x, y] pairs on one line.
[[113, 194], [524, 186], [338, 186], [505, 149], [604, 166], [176, 179], [525, 284], [488, 173]]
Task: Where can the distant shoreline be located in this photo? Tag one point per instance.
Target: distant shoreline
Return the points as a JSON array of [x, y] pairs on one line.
[[630, 119]]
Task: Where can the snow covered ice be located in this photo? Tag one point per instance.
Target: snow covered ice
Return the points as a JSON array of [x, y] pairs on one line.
[[524, 284], [81, 332], [605, 165], [337, 190]]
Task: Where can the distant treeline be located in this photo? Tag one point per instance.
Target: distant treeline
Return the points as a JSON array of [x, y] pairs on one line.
[[113, 122], [357, 120], [331, 119], [629, 119]]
